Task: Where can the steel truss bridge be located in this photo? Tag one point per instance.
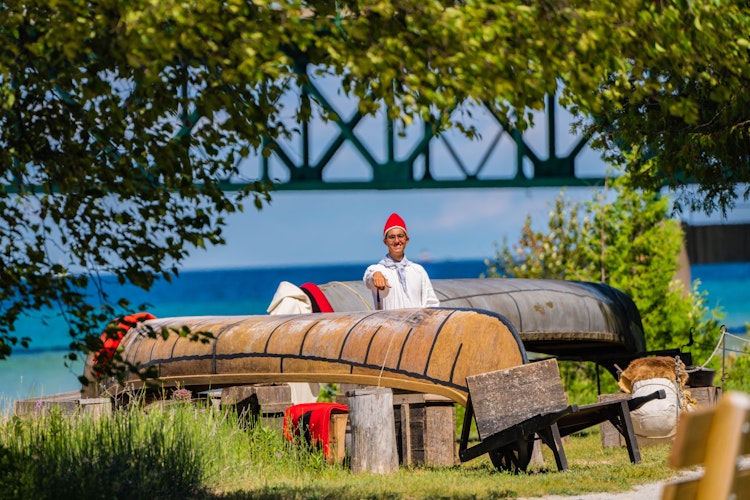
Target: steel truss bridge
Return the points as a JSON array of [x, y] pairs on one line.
[[357, 151]]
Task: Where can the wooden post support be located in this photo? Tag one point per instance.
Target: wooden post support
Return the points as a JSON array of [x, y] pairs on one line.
[[339, 422], [425, 429], [265, 402], [68, 403], [705, 396], [373, 430], [610, 436]]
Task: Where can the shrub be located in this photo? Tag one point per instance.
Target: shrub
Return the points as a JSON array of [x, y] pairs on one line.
[[631, 244]]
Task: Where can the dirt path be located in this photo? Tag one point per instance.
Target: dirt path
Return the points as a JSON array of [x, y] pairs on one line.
[[651, 491]]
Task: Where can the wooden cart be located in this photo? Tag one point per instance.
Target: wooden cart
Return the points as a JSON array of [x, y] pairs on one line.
[[515, 406]]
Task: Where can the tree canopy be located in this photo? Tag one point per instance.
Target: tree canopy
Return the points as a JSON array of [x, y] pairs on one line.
[[630, 243], [120, 120]]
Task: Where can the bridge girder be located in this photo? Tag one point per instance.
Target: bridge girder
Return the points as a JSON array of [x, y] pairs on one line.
[[502, 158]]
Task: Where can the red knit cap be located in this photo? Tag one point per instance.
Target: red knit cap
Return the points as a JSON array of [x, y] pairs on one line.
[[394, 221]]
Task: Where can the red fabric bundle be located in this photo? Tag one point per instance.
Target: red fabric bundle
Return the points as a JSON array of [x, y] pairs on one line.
[[312, 421], [111, 343], [319, 301]]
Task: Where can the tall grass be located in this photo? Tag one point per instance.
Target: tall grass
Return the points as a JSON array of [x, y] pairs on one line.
[[186, 451], [180, 450], [121, 456]]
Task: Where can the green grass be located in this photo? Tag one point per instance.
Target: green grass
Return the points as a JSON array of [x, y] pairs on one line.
[[192, 451]]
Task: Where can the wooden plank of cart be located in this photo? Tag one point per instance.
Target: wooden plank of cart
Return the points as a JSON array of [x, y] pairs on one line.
[[513, 407]]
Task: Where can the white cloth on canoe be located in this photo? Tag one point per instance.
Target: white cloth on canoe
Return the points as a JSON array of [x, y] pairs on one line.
[[289, 299], [418, 286]]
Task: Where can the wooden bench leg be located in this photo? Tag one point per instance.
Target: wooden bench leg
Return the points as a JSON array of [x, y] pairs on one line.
[[620, 418], [551, 437]]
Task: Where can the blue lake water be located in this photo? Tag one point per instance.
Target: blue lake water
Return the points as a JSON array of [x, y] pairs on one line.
[[41, 369]]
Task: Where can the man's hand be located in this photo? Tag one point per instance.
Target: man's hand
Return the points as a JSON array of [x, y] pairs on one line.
[[379, 281]]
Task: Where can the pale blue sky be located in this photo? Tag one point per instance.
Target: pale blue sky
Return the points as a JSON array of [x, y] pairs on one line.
[[346, 227], [328, 227], [301, 228]]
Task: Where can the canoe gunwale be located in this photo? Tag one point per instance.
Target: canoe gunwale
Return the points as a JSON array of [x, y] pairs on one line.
[[201, 383], [427, 350]]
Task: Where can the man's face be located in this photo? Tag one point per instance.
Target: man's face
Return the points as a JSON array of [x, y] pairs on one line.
[[396, 240]]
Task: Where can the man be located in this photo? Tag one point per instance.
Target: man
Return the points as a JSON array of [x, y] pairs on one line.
[[395, 281]]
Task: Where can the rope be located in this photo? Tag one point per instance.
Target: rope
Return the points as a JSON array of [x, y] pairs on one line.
[[727, 334], [367, 304], [388, 350], [724, 334], [385, 358], [679, 366]]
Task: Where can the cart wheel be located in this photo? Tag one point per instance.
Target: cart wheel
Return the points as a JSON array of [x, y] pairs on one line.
[[514, 457]]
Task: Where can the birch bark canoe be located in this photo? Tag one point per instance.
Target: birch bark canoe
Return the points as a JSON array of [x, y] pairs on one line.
[[573, 320], [422, 350]]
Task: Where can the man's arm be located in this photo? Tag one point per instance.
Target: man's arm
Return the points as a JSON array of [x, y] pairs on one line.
[[374, 278]]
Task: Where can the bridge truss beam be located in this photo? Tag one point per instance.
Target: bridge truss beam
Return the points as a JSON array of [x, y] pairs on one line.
[[503, 157]]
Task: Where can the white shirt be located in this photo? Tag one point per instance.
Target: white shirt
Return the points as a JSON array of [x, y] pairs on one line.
[[418, 284]]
